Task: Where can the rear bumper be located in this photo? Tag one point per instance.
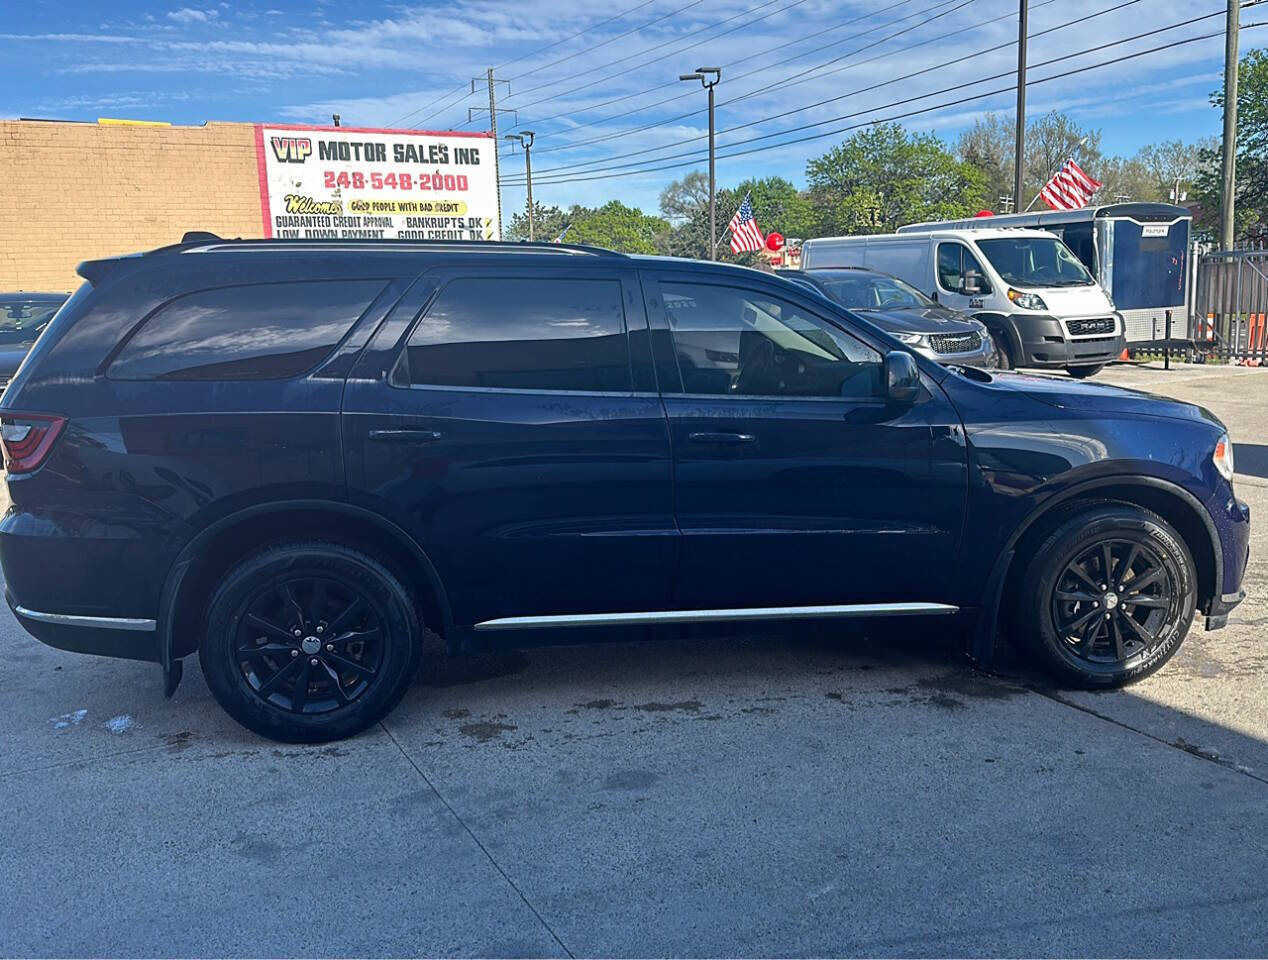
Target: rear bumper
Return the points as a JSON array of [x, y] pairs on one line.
[[125, 637], [1044, 344]]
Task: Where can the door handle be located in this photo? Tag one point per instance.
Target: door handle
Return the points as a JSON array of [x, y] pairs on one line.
[[404, 436], [721, 437]]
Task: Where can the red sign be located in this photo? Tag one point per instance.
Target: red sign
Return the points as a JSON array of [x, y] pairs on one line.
[[774, 241]]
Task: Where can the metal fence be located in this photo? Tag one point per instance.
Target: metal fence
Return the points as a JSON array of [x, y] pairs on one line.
[[1229, 306]]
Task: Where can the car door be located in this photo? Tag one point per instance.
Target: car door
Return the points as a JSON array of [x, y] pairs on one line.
[[796, 481], [508, 419], [962, 283]]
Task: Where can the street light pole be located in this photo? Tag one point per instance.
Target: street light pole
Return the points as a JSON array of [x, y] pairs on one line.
[[703, 74], [525, 138]]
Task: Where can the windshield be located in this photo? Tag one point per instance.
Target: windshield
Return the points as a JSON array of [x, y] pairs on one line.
[[1035, 262], [874, 293], [21, 322]]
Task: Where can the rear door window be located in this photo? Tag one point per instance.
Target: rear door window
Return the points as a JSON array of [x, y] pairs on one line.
[[260, 331], [521, 333]]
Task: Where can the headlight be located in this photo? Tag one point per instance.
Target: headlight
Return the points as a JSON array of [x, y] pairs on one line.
[[1027, 301], [1223, 458], [915, 339]]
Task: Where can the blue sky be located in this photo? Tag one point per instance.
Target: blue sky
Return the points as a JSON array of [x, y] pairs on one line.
[[597, 82]]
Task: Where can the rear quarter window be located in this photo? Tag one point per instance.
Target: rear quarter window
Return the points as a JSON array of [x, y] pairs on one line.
[[265, 331]]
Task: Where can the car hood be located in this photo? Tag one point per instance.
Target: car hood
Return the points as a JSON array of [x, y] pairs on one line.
[[919, 320], [1087, 397], [11, 358]]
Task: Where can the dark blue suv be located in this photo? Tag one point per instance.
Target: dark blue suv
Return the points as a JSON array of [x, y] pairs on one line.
[[291, 456]]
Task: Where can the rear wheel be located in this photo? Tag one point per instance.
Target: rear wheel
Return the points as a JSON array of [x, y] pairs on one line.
[[1108, 598], [308, 642], [1082, 373]]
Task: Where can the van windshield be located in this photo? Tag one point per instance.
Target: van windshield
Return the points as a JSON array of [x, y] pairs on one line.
[[1035, 262]]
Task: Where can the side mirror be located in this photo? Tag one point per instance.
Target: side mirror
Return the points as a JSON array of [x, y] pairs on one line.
[[902, 376], [934, 296], [972, 284]]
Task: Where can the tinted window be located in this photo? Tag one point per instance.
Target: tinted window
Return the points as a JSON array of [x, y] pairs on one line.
[[21, 321], [259, 332], [956, 263], [521, 333], [747, 343]]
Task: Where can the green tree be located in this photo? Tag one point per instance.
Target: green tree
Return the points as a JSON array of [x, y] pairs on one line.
[[1251, 199], [547, 223], [614, 225], [883, 177], [617, 227]]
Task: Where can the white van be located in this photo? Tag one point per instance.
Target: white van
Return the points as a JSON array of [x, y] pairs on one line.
[[1042, 307]]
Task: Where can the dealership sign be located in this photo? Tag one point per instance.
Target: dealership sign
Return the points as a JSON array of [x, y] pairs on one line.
[[345, 182]]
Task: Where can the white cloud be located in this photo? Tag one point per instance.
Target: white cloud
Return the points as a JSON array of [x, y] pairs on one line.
[[190, 15]]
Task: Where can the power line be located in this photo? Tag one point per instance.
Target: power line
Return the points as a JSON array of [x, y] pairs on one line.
[[684, 116], [604, 43], [533, 53], [680, 96], [594, 175], [866, 89], [673, 53], [579, 33]]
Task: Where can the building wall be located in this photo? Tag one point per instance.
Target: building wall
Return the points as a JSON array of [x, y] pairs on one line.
[[79, 191]]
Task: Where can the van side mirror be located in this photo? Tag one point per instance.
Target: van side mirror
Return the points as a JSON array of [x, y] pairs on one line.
[[971, 286], [902, 376]]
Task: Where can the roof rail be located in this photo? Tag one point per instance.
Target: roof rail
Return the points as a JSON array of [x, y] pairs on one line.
[[198, 241]]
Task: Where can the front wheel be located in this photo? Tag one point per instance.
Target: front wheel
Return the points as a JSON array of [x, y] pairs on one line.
[[1082, 373], [1109, 596], [310, 642]]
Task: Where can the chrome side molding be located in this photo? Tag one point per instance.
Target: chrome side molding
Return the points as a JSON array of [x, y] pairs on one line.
[[104, 623], [706, 616]]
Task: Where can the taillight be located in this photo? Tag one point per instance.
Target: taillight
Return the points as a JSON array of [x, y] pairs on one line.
[[27, 439]]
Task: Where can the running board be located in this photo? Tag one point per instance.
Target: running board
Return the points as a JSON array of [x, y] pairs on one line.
[[711, 616]]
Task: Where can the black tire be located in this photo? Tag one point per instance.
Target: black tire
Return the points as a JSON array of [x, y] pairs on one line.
[[357, 649], [1088, 642], [1003, 355], [1082, 373]]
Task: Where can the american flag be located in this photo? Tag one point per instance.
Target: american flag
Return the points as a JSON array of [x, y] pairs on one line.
[[745, 234], [1069, 189]]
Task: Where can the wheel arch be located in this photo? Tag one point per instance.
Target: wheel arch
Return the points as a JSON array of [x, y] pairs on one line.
[[1169, 500], [205, 558]]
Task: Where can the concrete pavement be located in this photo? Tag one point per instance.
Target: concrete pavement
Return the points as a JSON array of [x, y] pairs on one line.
[[823, 794]]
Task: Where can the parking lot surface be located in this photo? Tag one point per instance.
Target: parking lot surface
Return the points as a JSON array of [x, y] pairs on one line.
[[827, 794]]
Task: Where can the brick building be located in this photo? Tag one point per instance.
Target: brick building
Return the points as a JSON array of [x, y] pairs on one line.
[[75, 191]]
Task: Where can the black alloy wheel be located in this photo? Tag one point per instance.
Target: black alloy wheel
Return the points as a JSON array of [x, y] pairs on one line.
[[310, 644], [1113, 600], [1108, 595], [310, 641]]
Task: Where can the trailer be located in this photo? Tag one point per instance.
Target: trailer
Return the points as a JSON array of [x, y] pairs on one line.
[[1139, 252]]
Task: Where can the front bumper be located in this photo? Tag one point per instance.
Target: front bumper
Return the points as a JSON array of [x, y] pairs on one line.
[[1232, 522], [1044, 343]]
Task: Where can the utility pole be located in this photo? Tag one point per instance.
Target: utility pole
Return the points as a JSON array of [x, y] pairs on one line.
[[702, 74], [1228, 179], [493, 129], [1019, 149], [525, 138]]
